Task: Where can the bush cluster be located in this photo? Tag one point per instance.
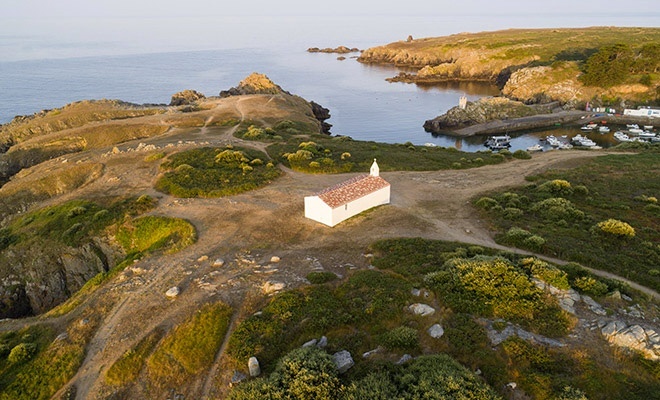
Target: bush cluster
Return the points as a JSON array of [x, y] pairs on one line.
[[615, 228]]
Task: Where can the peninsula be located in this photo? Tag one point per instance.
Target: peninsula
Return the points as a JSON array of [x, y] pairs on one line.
[[577, 67]]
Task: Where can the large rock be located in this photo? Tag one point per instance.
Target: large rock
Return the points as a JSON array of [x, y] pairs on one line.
[[253, 367], [255, 83], [436, 331], [186, 97], [634, 337], [423, 310], [343, 361], [272, 287], [35, 278]]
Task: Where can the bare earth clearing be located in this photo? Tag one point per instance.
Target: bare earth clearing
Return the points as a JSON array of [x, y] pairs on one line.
[[248, 229]]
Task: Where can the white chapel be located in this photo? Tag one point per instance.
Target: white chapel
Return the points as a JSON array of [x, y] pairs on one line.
[[344, 200]]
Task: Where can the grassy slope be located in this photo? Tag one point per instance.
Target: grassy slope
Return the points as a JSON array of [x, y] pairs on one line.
[[516, 45]]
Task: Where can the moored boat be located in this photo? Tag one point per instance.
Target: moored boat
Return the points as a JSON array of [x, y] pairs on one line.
[[589, 127], [536, 147]]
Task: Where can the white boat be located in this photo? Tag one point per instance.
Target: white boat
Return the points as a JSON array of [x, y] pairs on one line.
[[621, 137], [583, 141], [536, 147], [632, 126], [498, 142], [648, 127], [430, 144], [646, 134], [635, 131], [552, 141], [603, 129], [564, 146], [589, 127]]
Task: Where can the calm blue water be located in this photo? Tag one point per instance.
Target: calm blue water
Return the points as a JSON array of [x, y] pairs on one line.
[[362, 104], [82, 60]]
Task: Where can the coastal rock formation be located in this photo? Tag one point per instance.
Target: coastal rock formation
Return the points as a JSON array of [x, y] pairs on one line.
[[543, 84], [255, 83], [321, 113], [337, 50], [39, 277], [481, 111], [541, 64], [186, 97]]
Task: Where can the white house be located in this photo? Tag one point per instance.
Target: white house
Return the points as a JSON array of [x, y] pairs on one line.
[[643, 112], [344, 200]]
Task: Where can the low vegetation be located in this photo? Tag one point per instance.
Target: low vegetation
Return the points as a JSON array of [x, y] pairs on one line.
[[597, 215], [466, 285], [342, 154], [191, 347], [215, 172], [280, 131]]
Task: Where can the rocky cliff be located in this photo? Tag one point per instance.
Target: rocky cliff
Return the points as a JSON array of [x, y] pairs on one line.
[[543, 63], [41, 275], [257, 83]]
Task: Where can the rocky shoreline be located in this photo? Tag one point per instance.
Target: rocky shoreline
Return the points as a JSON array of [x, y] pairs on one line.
[[496, 115]]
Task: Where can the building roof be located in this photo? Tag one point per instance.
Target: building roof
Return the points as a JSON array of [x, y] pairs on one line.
[[352, 189]]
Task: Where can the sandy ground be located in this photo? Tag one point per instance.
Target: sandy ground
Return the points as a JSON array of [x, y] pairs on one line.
[[248, 229]]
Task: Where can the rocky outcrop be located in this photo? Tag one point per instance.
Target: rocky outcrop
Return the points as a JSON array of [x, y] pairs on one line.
[[255, 83], [321, 113], [336, 50], [479, 112], [260, 84], [39, 277], [186, 97], [644, 340]]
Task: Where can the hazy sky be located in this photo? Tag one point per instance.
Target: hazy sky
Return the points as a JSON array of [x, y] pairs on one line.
[[36, 29], [191, 8]]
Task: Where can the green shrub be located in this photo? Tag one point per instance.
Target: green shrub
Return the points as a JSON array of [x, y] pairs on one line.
[[495, 288], [22, 353], [615, 228], [558, 187], [522, 155], [486, 203], [320, 277], [512, 213], [402, 337], [534, 242], [154, 157], [590, 286], [304, 373], [557, 208], [546, 272]]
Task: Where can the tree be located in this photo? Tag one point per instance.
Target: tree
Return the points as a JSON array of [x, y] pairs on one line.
[[610, 66]]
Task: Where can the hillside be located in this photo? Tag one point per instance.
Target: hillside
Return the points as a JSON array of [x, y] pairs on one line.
[[161, 253], [536, 65]]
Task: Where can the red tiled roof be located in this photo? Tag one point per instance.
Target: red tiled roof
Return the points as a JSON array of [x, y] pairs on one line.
[[352, 189]]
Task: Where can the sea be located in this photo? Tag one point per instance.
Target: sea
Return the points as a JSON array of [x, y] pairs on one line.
[[53, 63]]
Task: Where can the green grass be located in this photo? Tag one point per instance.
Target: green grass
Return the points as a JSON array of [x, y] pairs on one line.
[[191, 347], [323, 154], [152, 233], [207, 172], [46, 372], [127, 368], [567, 218]]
